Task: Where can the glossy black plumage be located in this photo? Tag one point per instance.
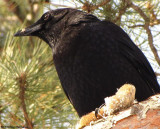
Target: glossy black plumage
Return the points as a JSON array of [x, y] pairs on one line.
[[92, 57]]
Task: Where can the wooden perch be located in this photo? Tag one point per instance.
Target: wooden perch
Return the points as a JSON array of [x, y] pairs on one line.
[[145, 114]]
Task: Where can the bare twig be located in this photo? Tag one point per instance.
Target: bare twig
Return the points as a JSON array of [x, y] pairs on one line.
[[148, 31], [157, 74], [139, 10], [134, 26], [150, 40]]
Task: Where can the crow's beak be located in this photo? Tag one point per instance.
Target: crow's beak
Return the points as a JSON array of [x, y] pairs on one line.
[[29, 31]]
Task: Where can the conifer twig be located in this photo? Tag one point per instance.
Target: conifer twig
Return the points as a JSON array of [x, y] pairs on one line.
[[148, 31], [22, 86]]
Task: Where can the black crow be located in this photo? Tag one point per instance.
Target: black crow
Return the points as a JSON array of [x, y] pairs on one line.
[[92, 57]]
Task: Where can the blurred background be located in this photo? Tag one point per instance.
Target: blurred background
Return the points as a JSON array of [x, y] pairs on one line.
[[30, 91]]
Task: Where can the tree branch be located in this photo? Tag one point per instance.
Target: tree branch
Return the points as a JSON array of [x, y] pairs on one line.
[[22, 85], [13, 7], [145, 112], [121, 11], [139, 10], [89, 7], [150, 40], [157, 74], [27, 14], [148, 31], [134, 26]]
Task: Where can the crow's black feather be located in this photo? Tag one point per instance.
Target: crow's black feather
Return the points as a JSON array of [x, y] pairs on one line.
[[92, 57]]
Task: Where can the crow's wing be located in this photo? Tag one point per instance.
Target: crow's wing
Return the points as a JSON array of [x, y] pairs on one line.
[[134, 55]]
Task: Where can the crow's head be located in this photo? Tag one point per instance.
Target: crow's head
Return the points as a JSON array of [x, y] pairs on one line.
[[52, 24]]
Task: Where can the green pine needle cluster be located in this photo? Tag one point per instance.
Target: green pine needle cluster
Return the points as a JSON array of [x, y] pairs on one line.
[[30, 88]]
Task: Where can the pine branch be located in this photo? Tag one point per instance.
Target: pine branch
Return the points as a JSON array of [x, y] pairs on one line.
[[157, 74], [134, 26], [22, 85], [89, 7], [122, 11], [15, 8], [148, 31]]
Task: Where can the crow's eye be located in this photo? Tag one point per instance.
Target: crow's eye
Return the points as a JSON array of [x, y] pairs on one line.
[[46, 17]]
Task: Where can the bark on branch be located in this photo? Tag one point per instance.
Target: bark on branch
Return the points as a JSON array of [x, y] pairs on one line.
[[148, 31], [141, 115], [22, 86]]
